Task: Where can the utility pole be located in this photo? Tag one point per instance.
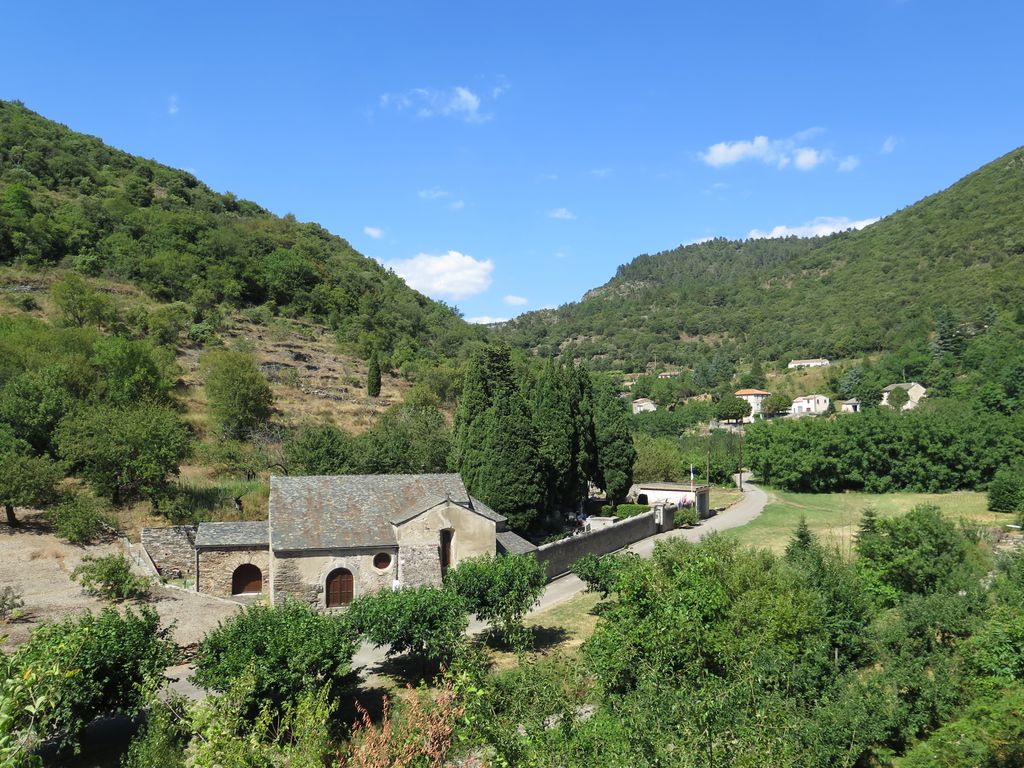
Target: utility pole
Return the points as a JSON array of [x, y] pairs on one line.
[[741, 462]]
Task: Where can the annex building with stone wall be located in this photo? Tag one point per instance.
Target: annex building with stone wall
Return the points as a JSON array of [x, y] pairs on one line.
[[332, 538]]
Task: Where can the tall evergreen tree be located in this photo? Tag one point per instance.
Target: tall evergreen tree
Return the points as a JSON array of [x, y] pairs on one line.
[[373, 376], [615, 451], [553, 420]]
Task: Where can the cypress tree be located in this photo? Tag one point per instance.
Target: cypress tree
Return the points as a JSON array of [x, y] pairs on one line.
[[554, 422], [373, 376], [615, 451]]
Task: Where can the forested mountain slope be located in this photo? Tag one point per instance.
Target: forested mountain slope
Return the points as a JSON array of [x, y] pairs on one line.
[[68, 199], [961, 250]]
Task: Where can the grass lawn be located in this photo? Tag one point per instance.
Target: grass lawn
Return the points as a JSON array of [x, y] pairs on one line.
[[562, 627], [723, 496], [834, 516]]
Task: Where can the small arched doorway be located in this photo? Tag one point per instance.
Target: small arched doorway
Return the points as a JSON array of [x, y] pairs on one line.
[[246, 580], [339, 587]]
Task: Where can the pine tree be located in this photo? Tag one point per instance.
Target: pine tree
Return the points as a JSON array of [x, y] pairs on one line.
[[803, 540], [868, 525], [373, 377]]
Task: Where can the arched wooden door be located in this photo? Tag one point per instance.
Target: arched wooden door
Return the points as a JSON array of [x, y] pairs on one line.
[[246, 580], [339, 588]]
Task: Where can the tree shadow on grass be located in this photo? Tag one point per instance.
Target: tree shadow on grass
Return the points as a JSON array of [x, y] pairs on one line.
[[538, 639], [369, 698], [408, 670]]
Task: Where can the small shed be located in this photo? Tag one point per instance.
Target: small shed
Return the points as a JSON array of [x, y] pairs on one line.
[[675, 494], [232, 559]]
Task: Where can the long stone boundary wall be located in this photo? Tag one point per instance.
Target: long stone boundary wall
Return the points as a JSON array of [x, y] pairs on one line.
[[172, 550], [559, 556]]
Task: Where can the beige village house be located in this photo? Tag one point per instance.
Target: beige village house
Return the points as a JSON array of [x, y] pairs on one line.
[[915, 392]]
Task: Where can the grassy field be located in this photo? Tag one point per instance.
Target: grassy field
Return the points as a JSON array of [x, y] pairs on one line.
[[723, 496], [562, 627], [834, 516]]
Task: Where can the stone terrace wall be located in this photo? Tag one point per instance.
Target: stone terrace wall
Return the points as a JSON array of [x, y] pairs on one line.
[[560, 555], [172, 550]]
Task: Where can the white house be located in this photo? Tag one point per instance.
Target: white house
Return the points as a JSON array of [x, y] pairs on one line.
[[755, 397], [817, 362], [849, 406], [644, 405], [914, 392], [810, 405], [677, 494]]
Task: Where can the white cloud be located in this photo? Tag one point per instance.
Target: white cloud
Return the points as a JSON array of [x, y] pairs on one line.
[[601, 173], [452, 274], [457, 205], [172, 105], [548, 177], [459, 102], [516, 301], [561, 254], [823, 225], [889, 145], [806, 158], [434, 193], [486, 320], [778, 152], [849, 162], [375, 232], [561, 213]]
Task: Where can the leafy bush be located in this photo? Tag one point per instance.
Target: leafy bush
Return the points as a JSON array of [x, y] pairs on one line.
[[78, 519], [499, 590], [239, 395], [623, 511], [10, 603], [425, 622], [110, 577], [601, 574], [291, 649], [687, 516], [1006, 491], [106, 662]]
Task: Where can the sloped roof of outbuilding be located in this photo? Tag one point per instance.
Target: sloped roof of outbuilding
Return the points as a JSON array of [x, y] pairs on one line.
[[244, 534]]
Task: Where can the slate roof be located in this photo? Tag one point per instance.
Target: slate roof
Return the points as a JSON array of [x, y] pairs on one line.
[[901, 385], [348, 511], [213, 535], [509, 543]]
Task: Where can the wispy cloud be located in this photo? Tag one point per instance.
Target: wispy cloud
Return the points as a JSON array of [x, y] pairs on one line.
[[601, 173], [561, 213], [375, 232], [451, 275], [848, 163], [172, 105], [458, 102], [486, 320], [819, 227], [548, 177], [516, 301], [889, 145], [434, 193], [780, 153], [457, 205]]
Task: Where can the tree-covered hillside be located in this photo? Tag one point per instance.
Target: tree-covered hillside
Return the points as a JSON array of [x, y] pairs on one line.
[[851, 293], [68, 199]]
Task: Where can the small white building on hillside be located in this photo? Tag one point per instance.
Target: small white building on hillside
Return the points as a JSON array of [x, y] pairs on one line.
[[915, 392], [676, 494], [849, 406], [817, 362], [644, 405], [810, 405]]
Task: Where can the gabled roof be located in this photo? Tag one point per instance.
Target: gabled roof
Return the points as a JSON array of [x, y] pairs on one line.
[[352, 511], [741, 392], [247, 534], [901, 385]]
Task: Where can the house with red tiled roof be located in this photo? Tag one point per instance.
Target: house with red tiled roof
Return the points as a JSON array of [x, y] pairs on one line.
[[755, 397]]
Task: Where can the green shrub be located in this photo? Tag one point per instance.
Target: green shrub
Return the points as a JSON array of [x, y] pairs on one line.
[[500, 590], [202, 334], [1006, 491], [110, 578], [105, 663], [10, 603], [291, 649], [623, 511], [79, 519], [687, 516], [601, 574], [426, 622]]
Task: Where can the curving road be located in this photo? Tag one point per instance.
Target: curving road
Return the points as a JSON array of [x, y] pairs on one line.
[[740, 513]]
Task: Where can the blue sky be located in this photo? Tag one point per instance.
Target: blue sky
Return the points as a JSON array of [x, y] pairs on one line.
[[507, 157]]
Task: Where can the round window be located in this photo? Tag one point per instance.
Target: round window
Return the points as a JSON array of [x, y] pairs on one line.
[[382, 561]]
